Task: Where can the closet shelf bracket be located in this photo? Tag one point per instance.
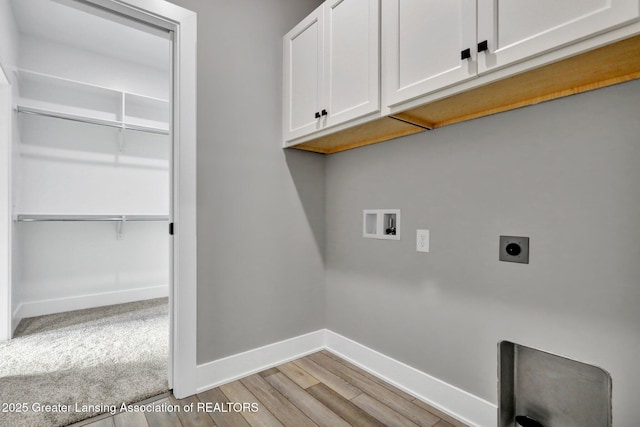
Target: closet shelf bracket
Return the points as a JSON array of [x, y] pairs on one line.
[[120, 228], [121, 139]]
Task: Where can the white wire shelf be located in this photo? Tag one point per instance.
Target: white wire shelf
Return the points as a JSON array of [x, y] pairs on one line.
[[90, 120]]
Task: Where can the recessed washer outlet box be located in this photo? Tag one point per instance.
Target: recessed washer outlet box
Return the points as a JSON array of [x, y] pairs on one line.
[[381, 224], [514, 249]]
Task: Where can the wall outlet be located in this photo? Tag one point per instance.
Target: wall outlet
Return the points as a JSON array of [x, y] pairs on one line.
[[422, 240], [514, 249]]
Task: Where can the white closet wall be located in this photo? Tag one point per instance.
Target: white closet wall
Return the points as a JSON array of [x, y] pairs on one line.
[[68, 167], [49, 57], [76, 168]]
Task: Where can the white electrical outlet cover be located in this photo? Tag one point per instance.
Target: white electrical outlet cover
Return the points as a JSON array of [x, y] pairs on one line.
[[422, 240]]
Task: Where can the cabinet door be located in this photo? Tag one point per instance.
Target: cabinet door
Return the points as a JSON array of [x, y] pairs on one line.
[[424, 40], [352, 77], [302, 86], [518, 29]]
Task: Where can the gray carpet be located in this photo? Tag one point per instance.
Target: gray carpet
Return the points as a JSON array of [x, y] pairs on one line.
[[103, 356]]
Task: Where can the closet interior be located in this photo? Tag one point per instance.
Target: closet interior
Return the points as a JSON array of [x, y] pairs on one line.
[[91, 160]]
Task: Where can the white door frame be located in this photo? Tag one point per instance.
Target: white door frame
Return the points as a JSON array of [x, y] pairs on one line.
[[5, 206], [182, 23]]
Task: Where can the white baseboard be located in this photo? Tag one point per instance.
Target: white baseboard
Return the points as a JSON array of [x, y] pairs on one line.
[[231, 368], [458, 403], [59, 305]]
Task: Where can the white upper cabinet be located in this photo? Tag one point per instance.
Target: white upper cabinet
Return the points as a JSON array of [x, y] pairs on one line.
[[438, 62], [426, 41], [518, 29], [429, 44], [351, 74], [303, 68], [331, 67]]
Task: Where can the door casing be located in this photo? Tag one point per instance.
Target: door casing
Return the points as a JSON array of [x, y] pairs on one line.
[[5, 206]]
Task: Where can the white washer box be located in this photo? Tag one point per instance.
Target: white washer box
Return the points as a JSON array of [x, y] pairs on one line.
[[381, 224]]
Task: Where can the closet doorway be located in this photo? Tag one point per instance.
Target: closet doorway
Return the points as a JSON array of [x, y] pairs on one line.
[[125, 123]]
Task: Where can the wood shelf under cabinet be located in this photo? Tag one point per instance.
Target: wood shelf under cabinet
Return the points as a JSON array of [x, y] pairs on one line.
[[379, 130], [604, 66]]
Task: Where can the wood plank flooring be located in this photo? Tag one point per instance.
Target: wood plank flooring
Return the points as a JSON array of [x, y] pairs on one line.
[[319, 390]]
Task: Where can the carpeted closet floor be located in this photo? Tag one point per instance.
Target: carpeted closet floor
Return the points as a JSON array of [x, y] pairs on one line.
[[81, 361]]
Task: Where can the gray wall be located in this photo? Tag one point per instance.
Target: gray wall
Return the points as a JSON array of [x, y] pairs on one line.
[[260, 210], [565, 173]]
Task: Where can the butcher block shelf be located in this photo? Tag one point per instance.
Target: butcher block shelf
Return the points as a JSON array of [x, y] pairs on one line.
[[605, 66]]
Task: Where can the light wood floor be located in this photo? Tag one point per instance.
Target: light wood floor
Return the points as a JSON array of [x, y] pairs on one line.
[[318, 390]]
